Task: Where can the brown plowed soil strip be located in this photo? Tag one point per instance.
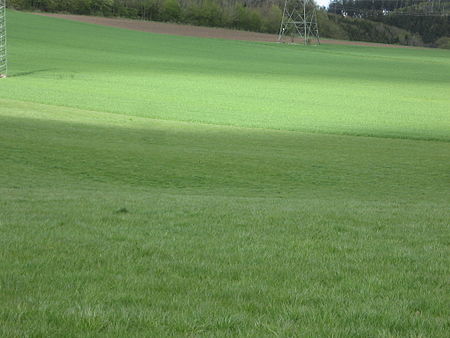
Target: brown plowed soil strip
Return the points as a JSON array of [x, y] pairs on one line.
[[187, 30]]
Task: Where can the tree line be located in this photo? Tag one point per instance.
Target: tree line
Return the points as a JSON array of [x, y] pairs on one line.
[[429, 19], [252, 15]]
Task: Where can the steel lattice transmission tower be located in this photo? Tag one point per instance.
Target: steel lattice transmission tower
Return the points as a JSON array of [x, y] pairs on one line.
[[299, 20], [3, 59]]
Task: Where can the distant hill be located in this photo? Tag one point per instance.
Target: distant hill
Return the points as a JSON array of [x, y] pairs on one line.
[[361, 20]]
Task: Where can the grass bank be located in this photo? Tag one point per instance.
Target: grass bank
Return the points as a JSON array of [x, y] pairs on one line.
[[135, 199]]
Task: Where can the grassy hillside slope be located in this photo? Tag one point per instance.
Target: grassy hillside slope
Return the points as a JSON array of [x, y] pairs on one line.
[[125, 225], [351, 90]]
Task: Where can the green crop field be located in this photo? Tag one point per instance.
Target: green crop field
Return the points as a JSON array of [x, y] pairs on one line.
[[156, 185]]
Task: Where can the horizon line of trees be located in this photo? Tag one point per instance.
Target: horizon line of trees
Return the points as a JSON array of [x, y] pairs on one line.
[[428, 18], [252, 15]]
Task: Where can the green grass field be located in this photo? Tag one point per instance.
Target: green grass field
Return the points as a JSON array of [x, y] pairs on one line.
[[157, 185]]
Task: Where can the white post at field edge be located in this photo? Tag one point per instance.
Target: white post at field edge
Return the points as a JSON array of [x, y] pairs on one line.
[[3, 56]]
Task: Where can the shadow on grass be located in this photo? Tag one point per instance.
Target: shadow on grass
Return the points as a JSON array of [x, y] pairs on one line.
[[206, 160], [30, 72]]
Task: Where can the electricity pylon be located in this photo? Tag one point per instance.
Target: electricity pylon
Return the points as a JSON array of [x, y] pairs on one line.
[[299, 20], [3, 59]]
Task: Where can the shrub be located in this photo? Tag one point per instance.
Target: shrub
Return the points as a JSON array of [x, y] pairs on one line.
[[271, 19], [206, 14], [443, 42], [171, 11]]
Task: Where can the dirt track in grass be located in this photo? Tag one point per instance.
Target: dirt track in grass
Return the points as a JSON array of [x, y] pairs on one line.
[[187, 30]]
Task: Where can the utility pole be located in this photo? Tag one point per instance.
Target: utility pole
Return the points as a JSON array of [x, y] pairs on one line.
[[299, 20], [3, 58]]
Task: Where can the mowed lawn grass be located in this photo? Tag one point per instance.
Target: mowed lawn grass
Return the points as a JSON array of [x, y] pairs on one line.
[[136, 199]]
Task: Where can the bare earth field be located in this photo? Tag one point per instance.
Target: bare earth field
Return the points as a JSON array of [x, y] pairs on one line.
[[187, 30]]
